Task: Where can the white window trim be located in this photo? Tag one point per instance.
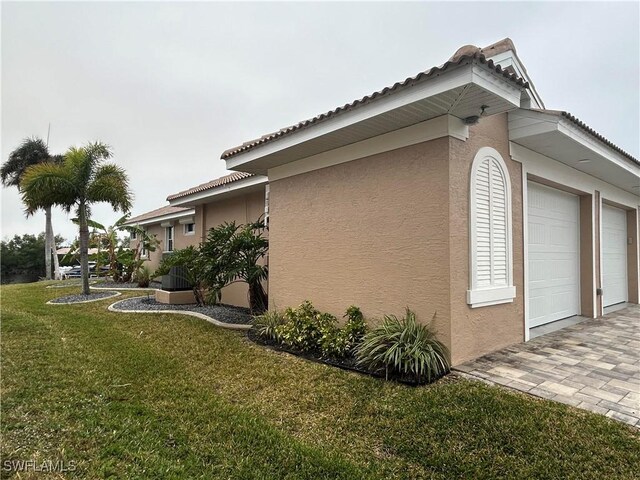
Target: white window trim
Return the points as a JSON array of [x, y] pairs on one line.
[[185, 232], [493, 295], [167, 238]]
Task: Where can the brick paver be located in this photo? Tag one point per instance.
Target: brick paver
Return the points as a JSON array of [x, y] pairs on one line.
[[594, 365]]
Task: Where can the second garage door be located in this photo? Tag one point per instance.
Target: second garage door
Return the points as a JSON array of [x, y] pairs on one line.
[[554, 268], [614, 255]]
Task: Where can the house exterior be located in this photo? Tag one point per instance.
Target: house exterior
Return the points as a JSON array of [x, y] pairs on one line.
[[237, 197], [455, 193], [173, 227]]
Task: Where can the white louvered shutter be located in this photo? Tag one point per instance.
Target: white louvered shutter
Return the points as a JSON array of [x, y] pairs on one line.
[[483, 224], [490, 240], [491, 230]]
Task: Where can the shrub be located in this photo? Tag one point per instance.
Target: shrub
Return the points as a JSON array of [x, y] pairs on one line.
[[402, 346], [341, 342], [267, 324], [304, 327], [143, 276]]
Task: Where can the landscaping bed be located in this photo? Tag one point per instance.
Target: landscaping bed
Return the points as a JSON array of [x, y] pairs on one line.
[[223, 313], [346, 363], [81, 298]]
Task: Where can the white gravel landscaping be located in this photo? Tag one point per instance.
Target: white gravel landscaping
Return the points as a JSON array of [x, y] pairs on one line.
[[220, 315], [81, 298]]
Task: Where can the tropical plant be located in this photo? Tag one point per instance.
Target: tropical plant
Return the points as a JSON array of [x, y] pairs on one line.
[[81, 180], [266, 325], [234, 254], [305, 327], [341, 342], [33, 151], [248, 247], [132, 260], [403, 347], [143, 276]]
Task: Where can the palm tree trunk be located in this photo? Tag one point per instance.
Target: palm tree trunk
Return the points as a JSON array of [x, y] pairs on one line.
[[48, 229], [84, 248], [54, 250], [56, 262]]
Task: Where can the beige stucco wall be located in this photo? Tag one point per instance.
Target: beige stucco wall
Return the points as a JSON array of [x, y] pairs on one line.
[[632, 255], [476, 331], [373, 232], [241, 209], [392, 230], [587, 266]]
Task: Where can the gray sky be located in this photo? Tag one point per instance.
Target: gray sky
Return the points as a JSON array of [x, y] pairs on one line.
[[171, 85]]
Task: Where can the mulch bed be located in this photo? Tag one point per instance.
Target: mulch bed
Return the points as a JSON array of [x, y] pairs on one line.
[[348, 363]]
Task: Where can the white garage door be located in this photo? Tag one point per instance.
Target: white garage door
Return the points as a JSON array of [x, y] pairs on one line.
[[554, 269], [614, 255]]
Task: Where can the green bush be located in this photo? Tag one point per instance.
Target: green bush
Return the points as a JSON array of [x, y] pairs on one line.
[[341, 342], [403, 347], [143, 276], [304, 327], [267, 324]]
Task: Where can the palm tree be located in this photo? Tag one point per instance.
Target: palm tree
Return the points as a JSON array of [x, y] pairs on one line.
[[33, 151], [81, 180]]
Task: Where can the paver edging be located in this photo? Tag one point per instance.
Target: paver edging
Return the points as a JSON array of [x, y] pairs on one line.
[[217, 323]]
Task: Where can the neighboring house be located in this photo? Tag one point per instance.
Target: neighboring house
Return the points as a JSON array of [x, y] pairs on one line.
[[173, 227], [237, 197], [455, 193]]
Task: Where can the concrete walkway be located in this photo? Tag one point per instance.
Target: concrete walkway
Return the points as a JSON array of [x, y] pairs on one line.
[[594, 365]]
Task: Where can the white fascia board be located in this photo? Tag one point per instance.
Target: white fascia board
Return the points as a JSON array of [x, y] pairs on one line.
[[496, 85], [542, 166], [211, 194], [546, 122], [453, 78], [584, 138], [162, 218], [445, 125]]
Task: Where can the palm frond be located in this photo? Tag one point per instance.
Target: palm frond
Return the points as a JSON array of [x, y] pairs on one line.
[[47, 184], [31, 151], [110, 185]]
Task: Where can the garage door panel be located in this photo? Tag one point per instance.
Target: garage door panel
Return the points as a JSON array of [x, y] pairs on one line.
[[614, 255], [553, 252]]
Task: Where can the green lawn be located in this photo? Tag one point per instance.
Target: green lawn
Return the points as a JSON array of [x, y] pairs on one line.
[[170, 396]]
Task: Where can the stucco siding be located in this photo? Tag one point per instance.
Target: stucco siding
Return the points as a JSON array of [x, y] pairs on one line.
[[476, 331], [373, 232]]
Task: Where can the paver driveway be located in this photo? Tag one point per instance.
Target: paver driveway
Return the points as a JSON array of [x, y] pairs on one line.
[[593, 365]]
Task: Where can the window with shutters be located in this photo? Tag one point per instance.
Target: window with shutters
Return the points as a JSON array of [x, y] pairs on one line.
[[491, 280]]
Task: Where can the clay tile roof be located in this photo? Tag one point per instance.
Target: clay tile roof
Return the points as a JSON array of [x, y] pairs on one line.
[[218, 182], [158, 212], [471, 54], [579, 123]]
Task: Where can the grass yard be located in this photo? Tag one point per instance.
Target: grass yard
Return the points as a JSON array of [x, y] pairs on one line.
[[170, 396]]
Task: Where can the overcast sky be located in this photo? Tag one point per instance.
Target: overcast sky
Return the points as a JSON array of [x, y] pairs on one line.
[[171, 85]]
